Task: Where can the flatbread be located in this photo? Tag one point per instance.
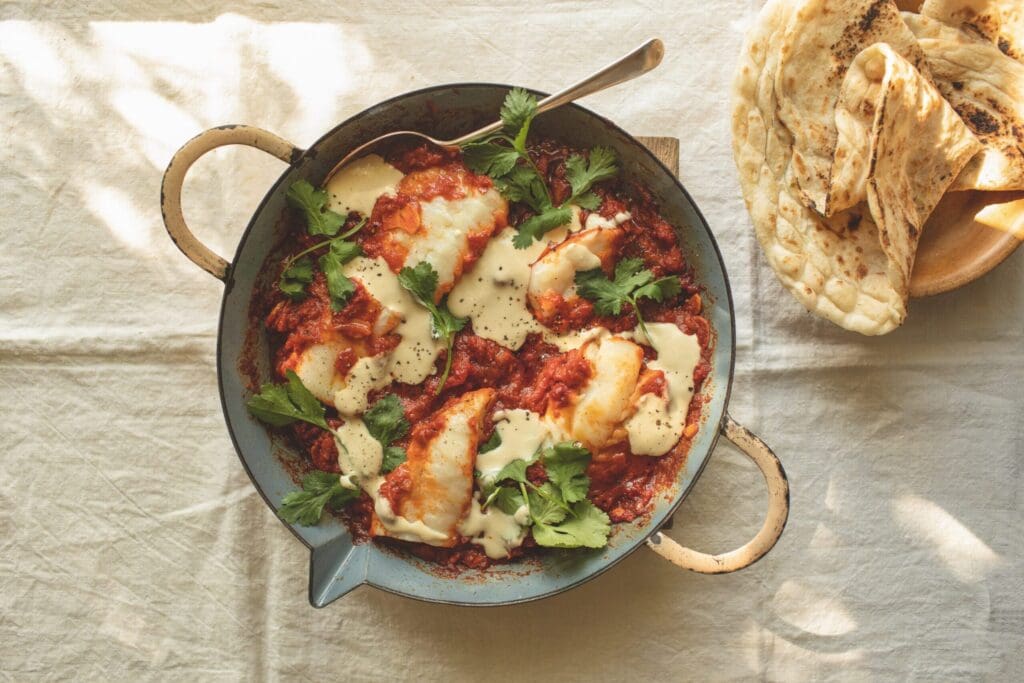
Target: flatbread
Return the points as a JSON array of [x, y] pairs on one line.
[[986, 88], [844, 280], [916, 145], [821, 39], [1000, 22], [842, 267]]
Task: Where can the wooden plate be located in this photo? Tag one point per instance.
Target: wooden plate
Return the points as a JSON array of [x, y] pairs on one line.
[[967, 235]]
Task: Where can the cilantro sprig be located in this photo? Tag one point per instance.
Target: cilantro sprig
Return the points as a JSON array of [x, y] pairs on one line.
[[288, 402], [504, 158], [421, 282], [319, 489], [385, 420], [285, 403], [559, 512], [631, 283], [282, 404], [298, 269], [313, 202]]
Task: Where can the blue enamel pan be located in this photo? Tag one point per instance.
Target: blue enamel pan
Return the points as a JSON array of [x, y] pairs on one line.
[[338, 565]]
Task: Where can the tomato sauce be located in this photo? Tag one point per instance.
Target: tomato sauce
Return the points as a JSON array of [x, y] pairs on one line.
[[535, 377]]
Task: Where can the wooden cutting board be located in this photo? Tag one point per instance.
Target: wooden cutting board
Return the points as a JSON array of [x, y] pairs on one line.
[[666, 149]]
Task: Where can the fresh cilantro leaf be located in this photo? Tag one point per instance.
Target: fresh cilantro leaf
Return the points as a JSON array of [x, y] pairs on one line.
[[534, 228], [631, 274], [632, 282], [313, 202], [295, 277], [446, 324], [607, 296], [318, 482], [318, 490], [421, 282], [298, 270], [508, 499], [523, 184], [339, 286], [546, 506], [588, 201], [588, 527], [493, 442], [515, 470], [659, 290], [518, 179], [518, 110], [583, 174], [489, 159], [282, 404], [566, 467], [393, 457], [385, 420]]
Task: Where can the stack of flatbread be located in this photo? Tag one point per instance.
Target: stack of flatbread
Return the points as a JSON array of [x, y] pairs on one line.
[[852, 120]]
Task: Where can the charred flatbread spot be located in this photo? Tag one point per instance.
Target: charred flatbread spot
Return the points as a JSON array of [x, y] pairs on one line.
[[862, 271], [854, 223], [1004, 46], [981, 121], [869, 17], [957, 85]]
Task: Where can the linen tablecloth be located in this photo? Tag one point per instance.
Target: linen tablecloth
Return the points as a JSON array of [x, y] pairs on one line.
[[132, 545]]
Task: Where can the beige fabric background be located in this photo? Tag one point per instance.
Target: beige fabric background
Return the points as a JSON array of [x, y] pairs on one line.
[[132, 546]]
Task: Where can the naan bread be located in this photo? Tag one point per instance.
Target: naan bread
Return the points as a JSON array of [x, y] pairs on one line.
[[1000, 22], [852, 267], [986, 88], [909, 144], [835, 268], [820, 40]]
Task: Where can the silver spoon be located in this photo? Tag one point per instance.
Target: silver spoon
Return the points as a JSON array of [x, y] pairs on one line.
[[636, 63]]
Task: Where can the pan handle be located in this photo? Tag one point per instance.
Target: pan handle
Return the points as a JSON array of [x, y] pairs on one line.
[[774, 523], [174, 178]]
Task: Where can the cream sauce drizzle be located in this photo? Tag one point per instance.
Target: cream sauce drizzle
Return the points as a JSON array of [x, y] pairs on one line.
[[493, 529], [359, 455], [356, 186], [522, 432], [576, 339], [399, 527], [596, 220], [493, 293], [659, 420], [361, 465], [411, 362]]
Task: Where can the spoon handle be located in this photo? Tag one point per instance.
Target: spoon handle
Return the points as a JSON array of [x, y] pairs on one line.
[[636, 63]]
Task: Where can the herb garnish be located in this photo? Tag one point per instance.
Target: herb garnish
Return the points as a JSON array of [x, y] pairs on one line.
[[298, 269], [385, 420], [421, 282], [632, 282], [282, 404], [504, 158], [318, 489], [313, 202], [560, 514]]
